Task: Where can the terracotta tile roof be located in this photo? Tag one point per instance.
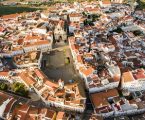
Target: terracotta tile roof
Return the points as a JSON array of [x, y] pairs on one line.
[[92, 9], [50, 113], [106, 2], [9, 105], [27, 79], [4, 97], [128, 18], [74, 47], [11, 16], [60, 92], [21, 112], [41, 42], [20, 41], [32, 113], [60, 116], [4, 74], [46, 81], [140, 74], [1, 29], [88, 71], [51, 98], [75, 15], [50, 84], [116, 78], [39, 73], [101, 99], [80, 59], [127, 77], [31, 37]]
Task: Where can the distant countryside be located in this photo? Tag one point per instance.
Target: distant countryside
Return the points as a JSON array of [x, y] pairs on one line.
[[16, 9]]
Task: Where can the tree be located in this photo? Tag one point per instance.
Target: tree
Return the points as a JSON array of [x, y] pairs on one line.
[[118, 30], [3, 86], [64, 11], [19, 88], [71, 1], [95, 17], [84, 14]]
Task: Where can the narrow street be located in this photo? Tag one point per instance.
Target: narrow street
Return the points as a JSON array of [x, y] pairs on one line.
[[89, 108]]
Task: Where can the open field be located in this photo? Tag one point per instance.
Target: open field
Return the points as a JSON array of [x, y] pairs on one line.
[[5, 10], [142, 4], [142, 1]]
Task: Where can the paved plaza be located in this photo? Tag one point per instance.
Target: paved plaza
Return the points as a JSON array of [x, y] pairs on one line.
[[56, 67]]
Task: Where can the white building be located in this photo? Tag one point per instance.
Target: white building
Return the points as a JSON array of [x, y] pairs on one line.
[[59, 32], [117, 1]]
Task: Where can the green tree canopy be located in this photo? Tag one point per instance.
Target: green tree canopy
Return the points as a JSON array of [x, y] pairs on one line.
[[3, 86], [19, 88]]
